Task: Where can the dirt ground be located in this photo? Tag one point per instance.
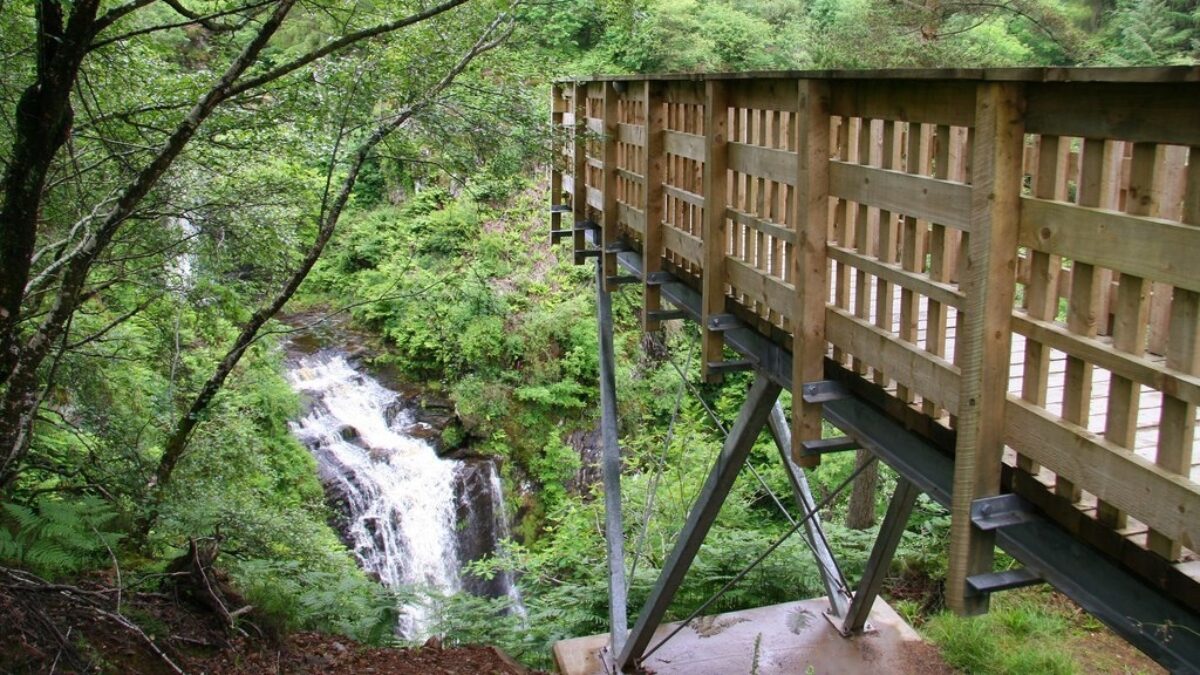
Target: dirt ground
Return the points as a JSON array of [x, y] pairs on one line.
[[90, 628]]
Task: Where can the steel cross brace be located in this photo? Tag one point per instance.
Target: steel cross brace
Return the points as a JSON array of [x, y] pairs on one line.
[[826, 563], [750, 421]]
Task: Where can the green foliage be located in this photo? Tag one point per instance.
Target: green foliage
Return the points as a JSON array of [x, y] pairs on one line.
[[343, 600], [1022, 634], [56, 537]]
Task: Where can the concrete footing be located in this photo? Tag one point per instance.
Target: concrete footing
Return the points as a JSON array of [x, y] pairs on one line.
[[793, 637]]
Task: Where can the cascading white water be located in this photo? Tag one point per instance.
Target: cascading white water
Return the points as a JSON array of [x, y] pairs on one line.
[[398, 492]]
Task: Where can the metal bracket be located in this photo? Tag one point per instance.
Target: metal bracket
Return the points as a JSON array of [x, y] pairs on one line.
[[723, 322], [994, 582], [731, 366], [823, 391], [838, 444], [560, 208], [666, 314], [586, 225], [617, 247], [659, 278], [991, 513], [618, 280]]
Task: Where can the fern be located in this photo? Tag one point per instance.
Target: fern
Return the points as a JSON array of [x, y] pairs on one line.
[[56, 537]]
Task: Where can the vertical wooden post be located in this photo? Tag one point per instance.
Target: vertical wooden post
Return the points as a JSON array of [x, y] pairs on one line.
[[558, 106], [1177, 426], [654, 157], [609, 227], [716, 137], [1131, 318], [579, 191], [985, 339], [1041, 292], [811, 202], [1087, 283]]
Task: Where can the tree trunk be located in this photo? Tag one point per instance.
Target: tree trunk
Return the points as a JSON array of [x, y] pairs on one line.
[[861, 513]]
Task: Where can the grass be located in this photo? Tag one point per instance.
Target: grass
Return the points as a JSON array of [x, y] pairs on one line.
[[1031, 631]]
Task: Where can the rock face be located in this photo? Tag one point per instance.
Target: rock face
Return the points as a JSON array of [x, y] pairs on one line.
[[431, 419], [589, 445]]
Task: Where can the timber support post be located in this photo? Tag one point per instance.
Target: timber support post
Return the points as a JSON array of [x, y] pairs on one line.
[[811, 204], [984, 342]]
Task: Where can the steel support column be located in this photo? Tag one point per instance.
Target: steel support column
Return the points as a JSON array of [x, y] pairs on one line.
[[830, 575], [886, 542], [750, 421], [614, 531]]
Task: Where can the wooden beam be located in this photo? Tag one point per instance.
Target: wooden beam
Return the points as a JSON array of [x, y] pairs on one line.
[[653, 164], [811, 204], [610, 227], [983, 342], [942, 201], [579, 190], [716, 155], [1142, 246]]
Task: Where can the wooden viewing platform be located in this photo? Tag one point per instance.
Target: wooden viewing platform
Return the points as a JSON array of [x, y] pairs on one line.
[[1005, 264]]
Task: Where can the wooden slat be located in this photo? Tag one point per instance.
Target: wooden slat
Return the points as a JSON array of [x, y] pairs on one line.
[[1083, 310], [915, 368], [945, 294], [766, 289], [682, 243], [1134, 112], [1145, 247], [931, 102], [633, 134], [940, 201], [632, 218], [765, 226], [1134, 367], [982, 342], [1153, 495], [763, 94], [776, 165], [686, 145], [683, 195]]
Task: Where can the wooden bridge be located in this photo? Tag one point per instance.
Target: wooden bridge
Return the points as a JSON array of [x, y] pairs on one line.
[[989, 278]]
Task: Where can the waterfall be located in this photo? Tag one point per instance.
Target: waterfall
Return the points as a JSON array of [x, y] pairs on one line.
[[405, 508]]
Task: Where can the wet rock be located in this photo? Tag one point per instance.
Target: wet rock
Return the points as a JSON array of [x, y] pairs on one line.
[[589, 445]]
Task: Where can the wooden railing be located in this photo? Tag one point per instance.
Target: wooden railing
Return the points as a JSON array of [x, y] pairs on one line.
[[1015, 254]]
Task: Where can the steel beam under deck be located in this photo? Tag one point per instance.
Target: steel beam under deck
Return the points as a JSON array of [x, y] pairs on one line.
[[1149, 619]]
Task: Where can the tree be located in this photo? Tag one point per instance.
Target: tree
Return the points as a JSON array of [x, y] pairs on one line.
[[88, 204]]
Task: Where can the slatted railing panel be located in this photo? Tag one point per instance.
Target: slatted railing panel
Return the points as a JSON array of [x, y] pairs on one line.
[[759, 228], [900, 206], [1121, 220], [683, 141]]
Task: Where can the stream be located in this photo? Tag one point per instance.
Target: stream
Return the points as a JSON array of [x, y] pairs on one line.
[[413, 519]]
